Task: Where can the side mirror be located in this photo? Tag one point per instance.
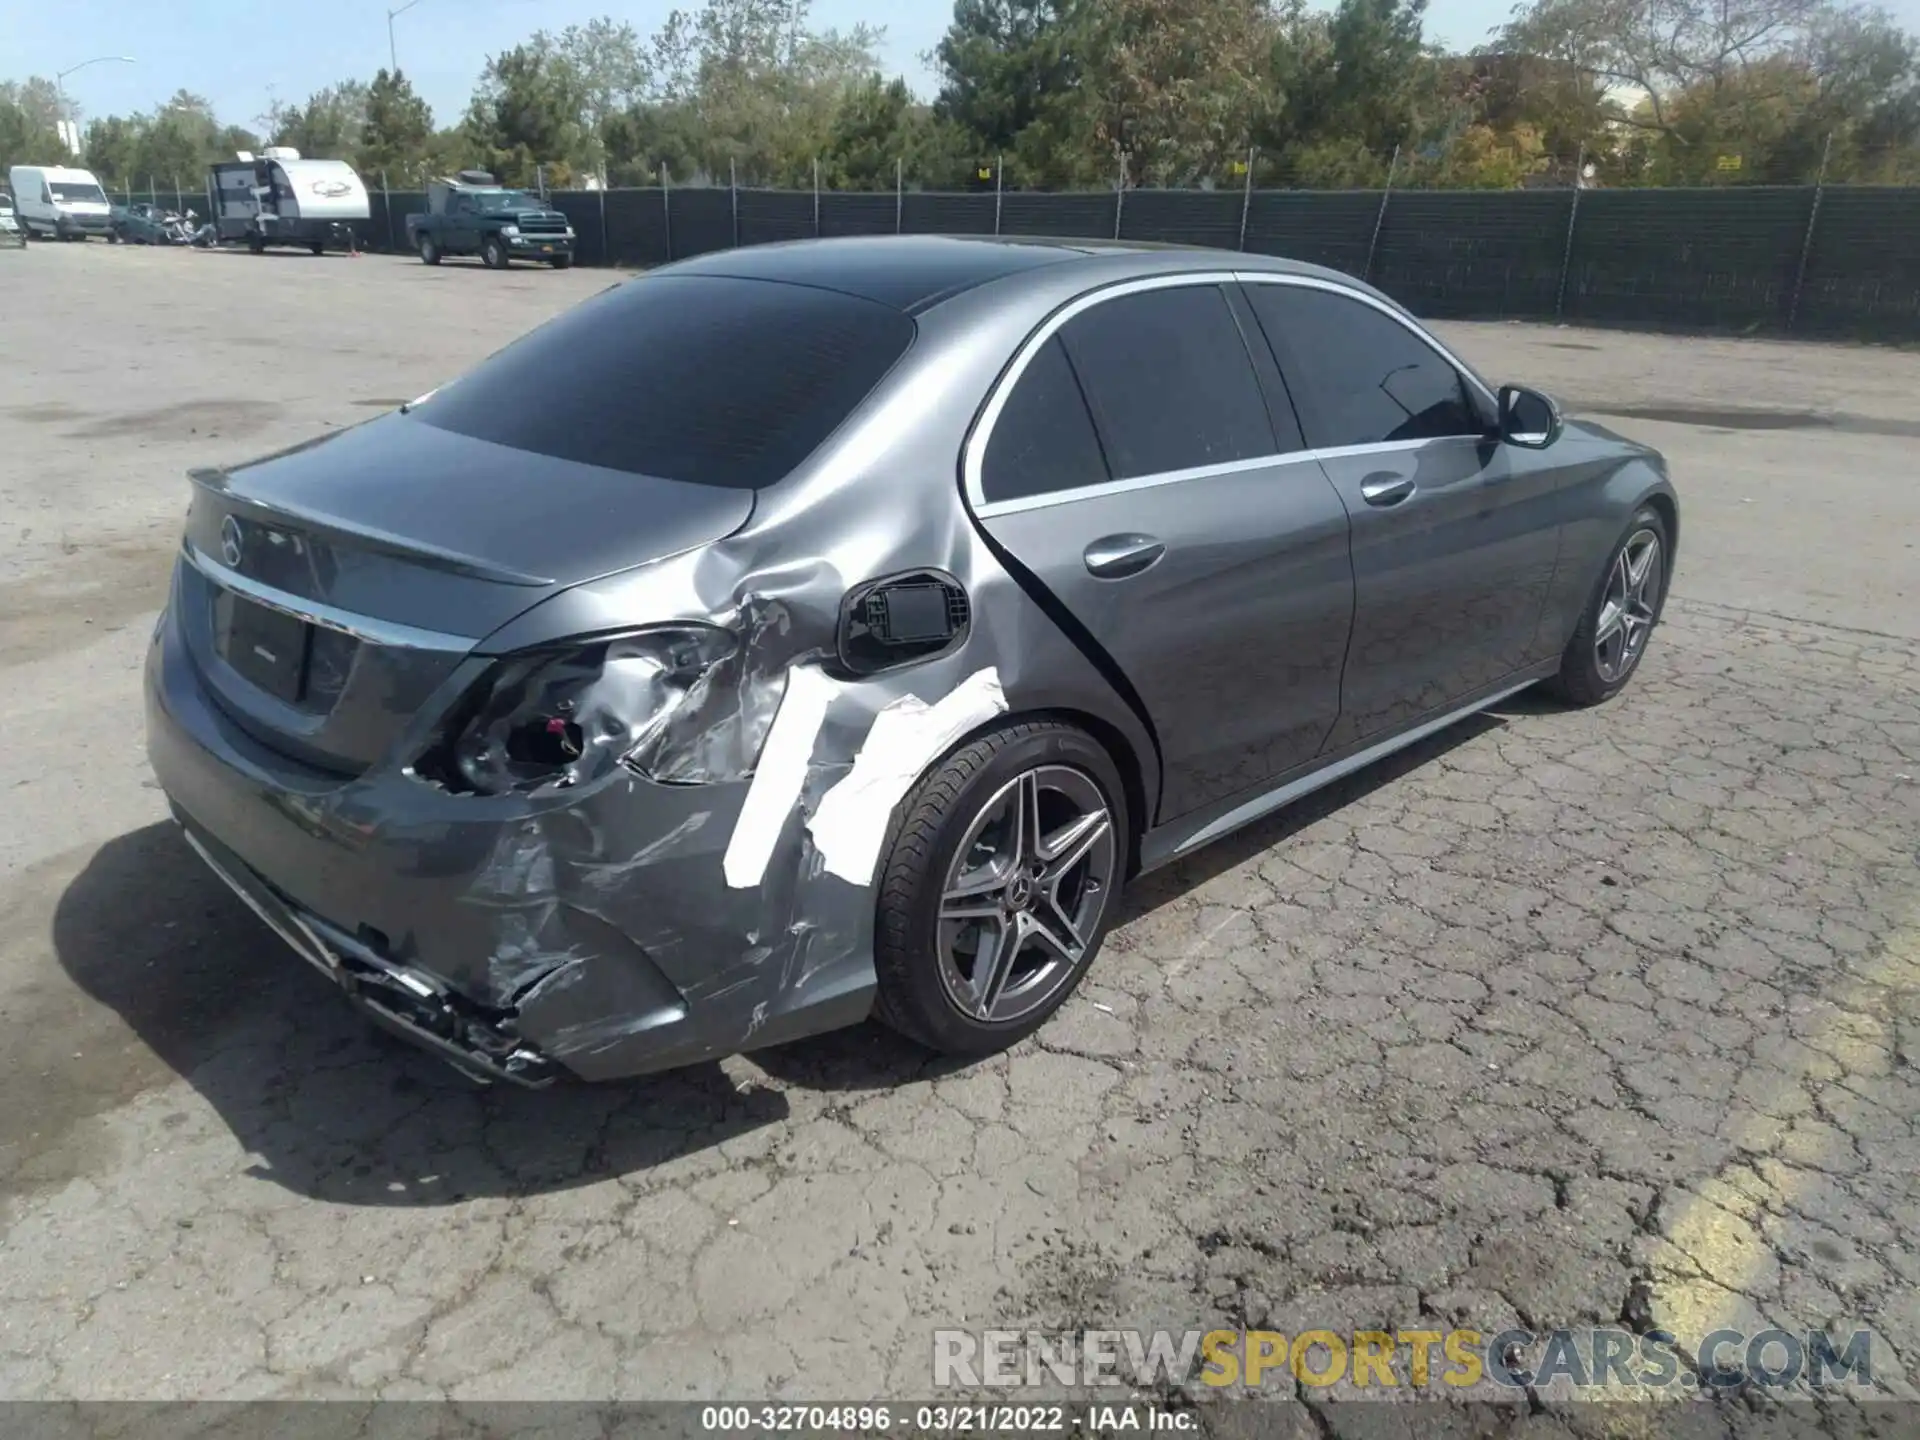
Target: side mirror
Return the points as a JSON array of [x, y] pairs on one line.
[[1528, 418]]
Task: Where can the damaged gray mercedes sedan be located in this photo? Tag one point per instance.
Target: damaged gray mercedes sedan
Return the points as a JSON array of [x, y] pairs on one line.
[[808, 632]]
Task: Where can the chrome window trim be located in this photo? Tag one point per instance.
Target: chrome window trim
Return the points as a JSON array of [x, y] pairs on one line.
[[974, 456], [1147, 482], [360, 627]]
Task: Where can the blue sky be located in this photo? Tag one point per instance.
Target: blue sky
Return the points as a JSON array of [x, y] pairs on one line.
[[243, 53]]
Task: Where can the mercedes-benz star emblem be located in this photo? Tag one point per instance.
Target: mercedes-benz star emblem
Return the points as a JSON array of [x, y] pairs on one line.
[[230, 541]]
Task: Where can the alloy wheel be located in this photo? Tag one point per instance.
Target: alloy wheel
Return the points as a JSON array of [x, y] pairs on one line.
[[1628, 606], [1024, 894]]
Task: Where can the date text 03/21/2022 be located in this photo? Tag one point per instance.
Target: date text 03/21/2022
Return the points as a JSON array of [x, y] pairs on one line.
[[946, 1419]]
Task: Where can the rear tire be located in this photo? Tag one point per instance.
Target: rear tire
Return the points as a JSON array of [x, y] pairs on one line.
[[985, 924], [493, 254], [429, 252], [1621, 614]]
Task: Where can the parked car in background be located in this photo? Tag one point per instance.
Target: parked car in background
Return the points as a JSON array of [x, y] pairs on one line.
[[472, 214], [10, 231], [807, 631], [59, 202], [144, 223]]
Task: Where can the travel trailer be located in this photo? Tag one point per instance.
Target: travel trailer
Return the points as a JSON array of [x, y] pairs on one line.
[[280, 199]]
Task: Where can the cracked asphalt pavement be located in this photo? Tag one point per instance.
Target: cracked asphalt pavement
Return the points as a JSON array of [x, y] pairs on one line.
[[1558, 1018]]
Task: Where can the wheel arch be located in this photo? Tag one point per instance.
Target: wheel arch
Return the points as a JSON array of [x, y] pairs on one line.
[[1667, 506], [1113, 740], [1104, 733]]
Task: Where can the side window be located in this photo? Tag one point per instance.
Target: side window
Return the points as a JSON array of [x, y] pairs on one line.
[[1043, 440], [1362, 377], [1168, 377]]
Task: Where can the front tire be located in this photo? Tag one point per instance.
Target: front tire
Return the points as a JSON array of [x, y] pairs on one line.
[[1619, 620], [562, 262], [1000, 879], [493, 254]]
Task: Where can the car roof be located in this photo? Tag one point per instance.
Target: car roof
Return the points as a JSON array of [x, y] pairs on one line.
[[917, 272]]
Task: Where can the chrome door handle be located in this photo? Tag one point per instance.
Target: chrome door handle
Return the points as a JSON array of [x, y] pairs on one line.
[[1114, 557], [1387, 489]]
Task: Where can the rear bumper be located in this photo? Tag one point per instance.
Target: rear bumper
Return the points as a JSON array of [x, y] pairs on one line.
[[397, 997], [516, 936]]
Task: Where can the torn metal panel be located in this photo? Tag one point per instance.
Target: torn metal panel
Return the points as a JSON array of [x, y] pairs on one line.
[[780, 775], [851, 822]]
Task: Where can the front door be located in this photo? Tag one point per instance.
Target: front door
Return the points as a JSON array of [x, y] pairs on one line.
[[1137, 470], [1454, 537], [463, 226]]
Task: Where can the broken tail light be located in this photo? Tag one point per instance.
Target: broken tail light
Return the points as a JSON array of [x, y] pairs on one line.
[[673, 703]]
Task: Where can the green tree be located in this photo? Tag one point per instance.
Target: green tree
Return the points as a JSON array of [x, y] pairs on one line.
[[1736, 89], [1171, 89], [176, 143], [611, 67], [1003, 65], [327, 126], [749, 88], [766, 87], [526, 114], [112, 146], [28, 110], [873, 129], [641, 139], [1093, 92], [395, 132], [1358, 81]]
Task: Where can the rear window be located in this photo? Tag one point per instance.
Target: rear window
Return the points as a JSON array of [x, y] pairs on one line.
[[706, 379]]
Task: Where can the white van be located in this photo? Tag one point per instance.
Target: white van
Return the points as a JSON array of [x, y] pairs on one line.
[[59, 202]]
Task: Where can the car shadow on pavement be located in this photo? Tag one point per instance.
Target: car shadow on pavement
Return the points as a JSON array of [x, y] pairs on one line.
[[322, 1101]]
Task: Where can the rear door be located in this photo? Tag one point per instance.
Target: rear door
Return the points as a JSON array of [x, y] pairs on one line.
[[1454, 543], [1134, 466]]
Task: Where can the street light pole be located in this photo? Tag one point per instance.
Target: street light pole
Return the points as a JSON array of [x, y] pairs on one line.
[[393, 55], [60, 85]]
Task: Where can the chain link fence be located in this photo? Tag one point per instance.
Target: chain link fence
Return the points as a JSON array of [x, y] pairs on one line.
[[1838, 261]]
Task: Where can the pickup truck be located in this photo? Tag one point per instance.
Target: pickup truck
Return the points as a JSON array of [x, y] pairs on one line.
[[473, 215]]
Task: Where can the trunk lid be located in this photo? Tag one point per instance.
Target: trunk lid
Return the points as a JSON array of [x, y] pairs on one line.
[[329, 590]]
